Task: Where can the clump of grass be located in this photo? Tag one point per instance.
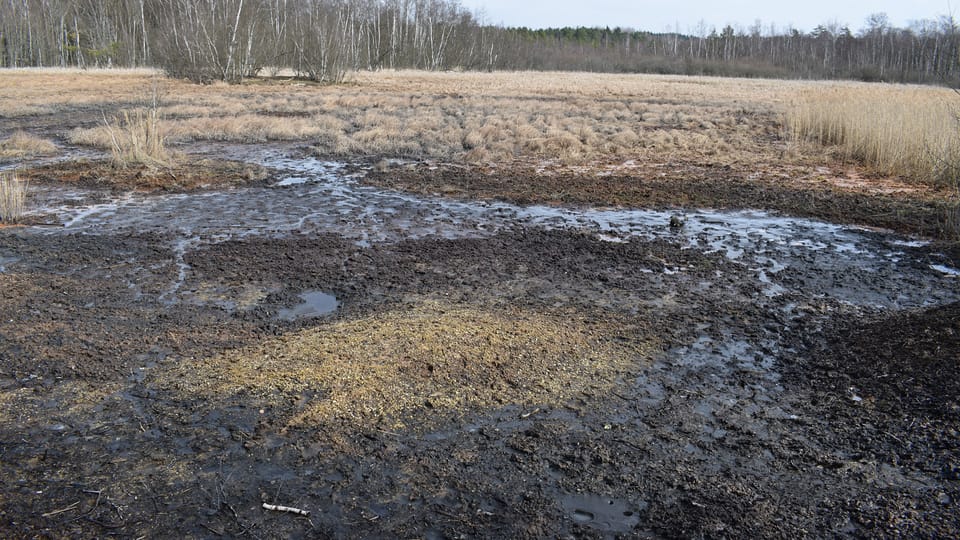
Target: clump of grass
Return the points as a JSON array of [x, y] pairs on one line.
[[136, 139], [22, 144], [907, 132], [13, 197]]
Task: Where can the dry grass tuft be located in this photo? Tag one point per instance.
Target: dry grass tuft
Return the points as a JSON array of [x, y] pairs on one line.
[[911, 132], [13, 197], [136, 139], [435, 356], [21, 145]]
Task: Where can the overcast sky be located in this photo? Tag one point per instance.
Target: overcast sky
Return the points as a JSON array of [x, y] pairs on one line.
[[659, 15]]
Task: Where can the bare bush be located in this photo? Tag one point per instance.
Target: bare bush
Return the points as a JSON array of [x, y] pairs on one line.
[[208, 40], [13, 197]]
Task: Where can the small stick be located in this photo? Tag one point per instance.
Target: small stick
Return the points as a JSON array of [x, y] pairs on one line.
[[62, 510], [276, 508]]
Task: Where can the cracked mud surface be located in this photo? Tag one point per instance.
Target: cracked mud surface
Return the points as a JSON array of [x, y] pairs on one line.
[[487, 369]]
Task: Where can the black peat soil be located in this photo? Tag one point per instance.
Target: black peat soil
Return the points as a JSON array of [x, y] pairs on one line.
[[746, 415]]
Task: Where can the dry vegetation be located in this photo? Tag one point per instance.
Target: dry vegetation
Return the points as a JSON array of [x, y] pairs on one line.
[[569, 118], [22, 145], [13, 197], [136, 139], [911, 132], [574, 118], [882, 141], [431, 356]]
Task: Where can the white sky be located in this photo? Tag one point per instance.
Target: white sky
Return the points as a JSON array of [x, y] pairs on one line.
[[661, 15]]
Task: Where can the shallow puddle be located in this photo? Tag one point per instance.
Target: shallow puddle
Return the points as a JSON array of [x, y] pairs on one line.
[[601, 512], [315, 304]]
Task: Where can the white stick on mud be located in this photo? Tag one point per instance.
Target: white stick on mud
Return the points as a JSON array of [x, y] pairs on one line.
[[297, 511]]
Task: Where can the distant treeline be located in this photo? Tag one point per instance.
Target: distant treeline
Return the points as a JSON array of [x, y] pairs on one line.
[[205, 40]]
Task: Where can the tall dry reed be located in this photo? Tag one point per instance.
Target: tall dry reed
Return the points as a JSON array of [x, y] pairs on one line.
[[136, 138], [13, 197], [911, 132]]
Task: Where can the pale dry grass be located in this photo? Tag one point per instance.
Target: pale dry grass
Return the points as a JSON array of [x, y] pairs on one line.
[[136, 139], [436, 356], [13, 197], [568, 119], [23, 145], [911, 132], [480, 117], [30, 92]]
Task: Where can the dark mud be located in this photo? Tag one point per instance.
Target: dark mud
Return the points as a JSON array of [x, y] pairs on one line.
[[682, 184], [790, 378]]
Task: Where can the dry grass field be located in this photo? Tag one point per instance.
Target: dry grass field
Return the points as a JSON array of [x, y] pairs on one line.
[[573, 118], [868, 140], [480, 117]]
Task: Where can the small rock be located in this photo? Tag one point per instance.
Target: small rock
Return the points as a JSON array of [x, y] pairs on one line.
[[943, 498], [677, 222]]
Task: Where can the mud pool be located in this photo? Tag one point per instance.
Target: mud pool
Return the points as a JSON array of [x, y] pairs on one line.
[[714, 430]]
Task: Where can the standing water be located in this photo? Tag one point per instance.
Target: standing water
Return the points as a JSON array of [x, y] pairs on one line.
[[314, 196]]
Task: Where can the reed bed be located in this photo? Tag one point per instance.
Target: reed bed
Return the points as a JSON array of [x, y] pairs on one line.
[[136, 139], [909, 132]]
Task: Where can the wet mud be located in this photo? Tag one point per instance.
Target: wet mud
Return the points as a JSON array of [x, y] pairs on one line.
[[684, 184], [415, 366]]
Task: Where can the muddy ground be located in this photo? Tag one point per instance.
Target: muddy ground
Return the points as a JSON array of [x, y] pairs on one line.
[[837, 193], [467, 369]]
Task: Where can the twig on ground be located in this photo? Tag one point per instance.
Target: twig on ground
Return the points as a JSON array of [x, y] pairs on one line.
[[211, 529], [62, 510], [288, 509]]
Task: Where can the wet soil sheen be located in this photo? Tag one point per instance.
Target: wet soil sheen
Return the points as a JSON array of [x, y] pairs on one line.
[[403, 365], [684, 184]]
